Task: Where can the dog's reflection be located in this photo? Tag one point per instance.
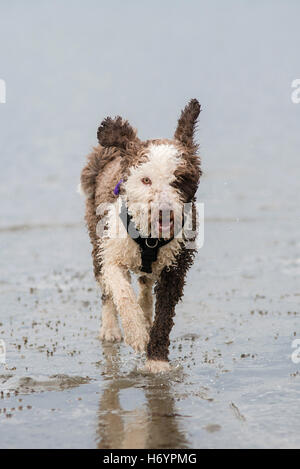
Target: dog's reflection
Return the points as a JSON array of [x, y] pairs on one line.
[[152, 424]]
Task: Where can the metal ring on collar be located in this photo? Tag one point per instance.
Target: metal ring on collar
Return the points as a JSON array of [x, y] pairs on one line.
[[149, 246]]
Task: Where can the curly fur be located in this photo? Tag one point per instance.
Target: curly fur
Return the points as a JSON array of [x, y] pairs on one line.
[[187, 123], [174, 167], [168, 291], [115, 133]]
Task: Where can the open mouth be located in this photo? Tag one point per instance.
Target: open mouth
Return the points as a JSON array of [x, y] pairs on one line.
[[166, 223]]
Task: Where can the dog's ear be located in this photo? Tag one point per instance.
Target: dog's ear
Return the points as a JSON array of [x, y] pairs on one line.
[[115, 133], [187, 123]]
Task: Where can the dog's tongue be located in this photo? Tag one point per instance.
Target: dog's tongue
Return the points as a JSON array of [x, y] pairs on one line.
[[165, 229], [164, 224]]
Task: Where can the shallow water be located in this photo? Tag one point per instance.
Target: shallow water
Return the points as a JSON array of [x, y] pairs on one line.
[[233, 382]]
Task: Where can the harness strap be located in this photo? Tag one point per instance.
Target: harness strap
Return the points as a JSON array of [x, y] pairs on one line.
[[149, 247]]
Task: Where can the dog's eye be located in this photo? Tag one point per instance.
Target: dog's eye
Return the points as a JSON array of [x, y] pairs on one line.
[[146, 181]]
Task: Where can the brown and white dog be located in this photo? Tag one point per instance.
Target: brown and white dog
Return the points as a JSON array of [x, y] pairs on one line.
[[151, 178]]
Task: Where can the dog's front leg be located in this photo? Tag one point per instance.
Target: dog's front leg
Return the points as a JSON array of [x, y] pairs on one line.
[[145, 299], [158, 347], [169, 290], [132, 316]]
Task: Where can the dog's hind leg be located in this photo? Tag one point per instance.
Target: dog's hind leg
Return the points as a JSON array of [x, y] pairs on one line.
[[145, 299], [110, 330], [169, 290], [132, 316]]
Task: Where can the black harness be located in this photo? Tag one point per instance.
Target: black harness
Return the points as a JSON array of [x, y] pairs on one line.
[[149, 247]]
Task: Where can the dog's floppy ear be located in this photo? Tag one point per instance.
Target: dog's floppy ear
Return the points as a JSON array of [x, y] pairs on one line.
[[115, 133], [187, 123]]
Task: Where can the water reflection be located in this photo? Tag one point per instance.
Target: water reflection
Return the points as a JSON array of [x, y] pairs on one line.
[[152, 423]]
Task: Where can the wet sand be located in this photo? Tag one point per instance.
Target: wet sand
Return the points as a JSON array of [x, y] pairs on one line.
[[232, 384]]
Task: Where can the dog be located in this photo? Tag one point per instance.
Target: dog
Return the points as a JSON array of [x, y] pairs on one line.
[[137, 183]]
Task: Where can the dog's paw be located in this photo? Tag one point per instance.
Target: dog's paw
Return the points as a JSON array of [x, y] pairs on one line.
[[138, 340], [110, 335], [157, 366]]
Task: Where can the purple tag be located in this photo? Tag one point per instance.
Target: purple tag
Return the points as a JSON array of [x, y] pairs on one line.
[[117, 188]]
